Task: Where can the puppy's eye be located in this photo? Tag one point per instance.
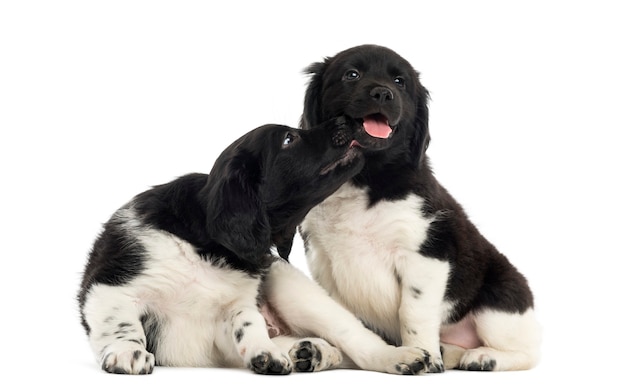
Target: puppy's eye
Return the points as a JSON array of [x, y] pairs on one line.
[[352, 74], [399, 81], [289, 139]]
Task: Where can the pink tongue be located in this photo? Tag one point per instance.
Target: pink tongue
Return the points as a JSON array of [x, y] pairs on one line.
[[376, 128]]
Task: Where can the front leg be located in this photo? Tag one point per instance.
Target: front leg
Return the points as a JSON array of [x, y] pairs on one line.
[[249, 334], [308, 310], [423, 282]]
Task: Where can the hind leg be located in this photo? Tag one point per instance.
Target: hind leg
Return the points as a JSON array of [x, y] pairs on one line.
[[509, 342], [116, 333], [247, 328]]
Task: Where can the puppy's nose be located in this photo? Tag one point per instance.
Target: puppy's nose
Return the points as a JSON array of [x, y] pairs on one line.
[[381, 94]]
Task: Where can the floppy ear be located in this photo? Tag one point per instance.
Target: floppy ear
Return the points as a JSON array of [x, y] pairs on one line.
[[422, 138], [312, 114], [236, 217]]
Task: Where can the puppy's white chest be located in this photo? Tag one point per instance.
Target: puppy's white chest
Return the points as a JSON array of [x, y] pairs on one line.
[[345, 223], [355, 251]]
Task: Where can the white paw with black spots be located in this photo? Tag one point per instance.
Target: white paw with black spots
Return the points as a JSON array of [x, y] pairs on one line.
[[414, 361], [265, 363], [133, 360], [314, 354], [435, 365]]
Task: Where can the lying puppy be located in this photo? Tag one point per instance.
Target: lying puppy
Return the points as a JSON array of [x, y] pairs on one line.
[[176, 278], [393, 246]]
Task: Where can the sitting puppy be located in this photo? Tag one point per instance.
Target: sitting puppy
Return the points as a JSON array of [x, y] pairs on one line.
[[176, 278], [393, 246]]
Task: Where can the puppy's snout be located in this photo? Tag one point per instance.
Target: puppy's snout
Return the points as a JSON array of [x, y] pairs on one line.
[[381, 94]]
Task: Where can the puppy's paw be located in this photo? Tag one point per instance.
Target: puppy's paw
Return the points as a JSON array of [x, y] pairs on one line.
[[345, 128], [477, 360], [267, 363], [436, 365], [132, 360], [314, 354], [401, 360], [412, 361]]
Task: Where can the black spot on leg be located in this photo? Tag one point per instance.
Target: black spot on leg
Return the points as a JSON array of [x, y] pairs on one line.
[[238, 335], [397, 275], [415, 292]]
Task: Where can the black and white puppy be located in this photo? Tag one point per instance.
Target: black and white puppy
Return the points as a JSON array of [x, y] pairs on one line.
[[184, 273], [393, 246]]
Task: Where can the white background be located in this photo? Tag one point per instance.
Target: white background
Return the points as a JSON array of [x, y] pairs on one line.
[[100, 100]]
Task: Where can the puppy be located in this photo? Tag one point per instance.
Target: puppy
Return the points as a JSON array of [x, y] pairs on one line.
[[393, 246], [184, 273]]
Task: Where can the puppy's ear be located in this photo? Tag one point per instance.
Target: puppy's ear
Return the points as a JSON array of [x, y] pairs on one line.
[[312, 114], [236, 217], [422, 138]]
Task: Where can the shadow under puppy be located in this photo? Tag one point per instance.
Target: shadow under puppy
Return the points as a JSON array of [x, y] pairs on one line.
[[183, 273]]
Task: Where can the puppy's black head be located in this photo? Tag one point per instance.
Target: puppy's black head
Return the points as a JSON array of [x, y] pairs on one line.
[[379, 87], [263, 184]]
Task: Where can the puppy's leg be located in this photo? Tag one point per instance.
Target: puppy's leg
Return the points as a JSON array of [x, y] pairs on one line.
[[451, 355], [246, 325], [116, 334], [510, 342], [423, 282], [309, 310], [310, 354]]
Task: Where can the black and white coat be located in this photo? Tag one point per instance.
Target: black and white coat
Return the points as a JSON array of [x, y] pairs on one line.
[[393, 246], [187, 273]]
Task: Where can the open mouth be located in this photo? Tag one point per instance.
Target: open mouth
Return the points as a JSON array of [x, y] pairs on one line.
[[377, 125], [347, 158]]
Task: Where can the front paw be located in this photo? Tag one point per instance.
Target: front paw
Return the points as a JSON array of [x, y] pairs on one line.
[[265, 363], [436, 365], [133, 361], [417, 361]]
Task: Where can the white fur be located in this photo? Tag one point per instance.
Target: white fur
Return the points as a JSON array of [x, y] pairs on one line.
[[367, 258], [511, 340], [199, 306], [376, 246], [311, 311], [195, 299]]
